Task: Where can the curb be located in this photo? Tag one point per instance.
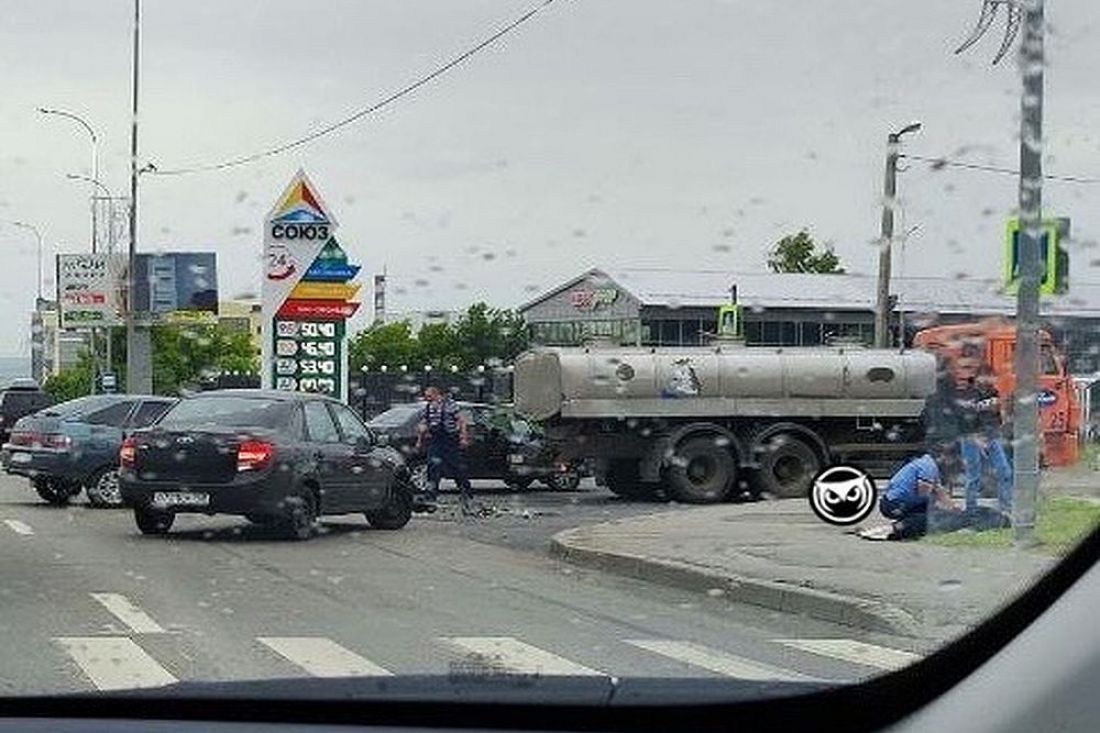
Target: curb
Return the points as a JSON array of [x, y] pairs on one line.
[[777, 596]]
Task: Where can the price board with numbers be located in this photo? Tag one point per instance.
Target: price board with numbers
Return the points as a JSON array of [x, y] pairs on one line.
[[309, 356]]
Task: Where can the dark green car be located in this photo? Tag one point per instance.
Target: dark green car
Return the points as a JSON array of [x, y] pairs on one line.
[[503, 446]]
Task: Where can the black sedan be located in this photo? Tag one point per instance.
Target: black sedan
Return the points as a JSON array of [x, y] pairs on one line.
[[279, 458]]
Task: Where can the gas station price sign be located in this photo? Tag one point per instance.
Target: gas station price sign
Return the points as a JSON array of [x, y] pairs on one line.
[[309, 356]]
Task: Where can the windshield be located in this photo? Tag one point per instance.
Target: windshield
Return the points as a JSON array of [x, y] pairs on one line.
[[748, 342], [236, 412]]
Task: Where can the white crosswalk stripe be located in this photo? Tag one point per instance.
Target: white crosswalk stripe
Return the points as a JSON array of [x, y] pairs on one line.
[[322, 657], [129, 614], [721, 662], [19, 527], [512, 655], [115, 662], [857, 652]]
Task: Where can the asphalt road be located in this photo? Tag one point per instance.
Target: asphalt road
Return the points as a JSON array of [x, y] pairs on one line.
[[87, 603]]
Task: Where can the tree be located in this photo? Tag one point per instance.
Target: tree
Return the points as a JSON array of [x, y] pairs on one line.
[[799, 253], [437, 344], [184, 353], [76, 381], [390, 344], [486, 335], [481, 335]]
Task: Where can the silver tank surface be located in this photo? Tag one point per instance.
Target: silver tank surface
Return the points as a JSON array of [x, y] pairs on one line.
[[710, 381]]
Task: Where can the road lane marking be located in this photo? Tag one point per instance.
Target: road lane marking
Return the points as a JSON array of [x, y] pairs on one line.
[[516, 656], [19, 527], [322, 657], [858, 652], [129, 614], [115, 662], [714, 660]]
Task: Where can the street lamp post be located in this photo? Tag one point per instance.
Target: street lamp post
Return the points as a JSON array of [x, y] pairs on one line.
[[886, 243], [95, 157], [110, 247], [37, 334], [38, 237]]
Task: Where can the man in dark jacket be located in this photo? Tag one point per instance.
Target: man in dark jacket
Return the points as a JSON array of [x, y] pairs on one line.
[[982, 442], [444, 431]]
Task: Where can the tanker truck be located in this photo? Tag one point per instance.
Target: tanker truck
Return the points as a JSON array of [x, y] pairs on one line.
[[703, 424]]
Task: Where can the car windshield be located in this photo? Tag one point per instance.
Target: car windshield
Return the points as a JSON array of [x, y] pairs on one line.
[[753, 344], [236, 412]]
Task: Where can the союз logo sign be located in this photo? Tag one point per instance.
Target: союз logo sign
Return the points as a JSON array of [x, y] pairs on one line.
[[299, 216]]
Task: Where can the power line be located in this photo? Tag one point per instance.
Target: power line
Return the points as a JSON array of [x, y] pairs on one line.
[[331, 128], [948, 163]]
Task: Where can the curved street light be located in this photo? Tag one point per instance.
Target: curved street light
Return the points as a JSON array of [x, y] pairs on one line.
[[95, 151], [38, 236]]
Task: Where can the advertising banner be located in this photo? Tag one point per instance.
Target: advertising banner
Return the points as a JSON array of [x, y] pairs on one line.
[[89, 290]]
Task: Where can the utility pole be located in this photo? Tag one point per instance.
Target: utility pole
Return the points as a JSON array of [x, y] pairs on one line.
[[886, 243], [1028, 14], [1026, 408], [139, 378]]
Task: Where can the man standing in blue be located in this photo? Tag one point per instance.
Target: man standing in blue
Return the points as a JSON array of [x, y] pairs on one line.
[[443, 428]]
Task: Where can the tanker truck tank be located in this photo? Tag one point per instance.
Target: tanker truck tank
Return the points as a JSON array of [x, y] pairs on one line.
[[576, 383], [702, 423]]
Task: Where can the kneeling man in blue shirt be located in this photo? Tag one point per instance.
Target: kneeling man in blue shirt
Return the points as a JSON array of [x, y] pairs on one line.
[[913, 491]]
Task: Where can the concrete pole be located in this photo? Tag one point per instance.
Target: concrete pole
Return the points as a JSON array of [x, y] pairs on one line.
[[1026, 431], [886, 244], [139, 377]]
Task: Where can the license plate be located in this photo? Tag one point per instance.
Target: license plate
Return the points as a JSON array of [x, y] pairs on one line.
[[513, 458], [21, 458], [180, 498]]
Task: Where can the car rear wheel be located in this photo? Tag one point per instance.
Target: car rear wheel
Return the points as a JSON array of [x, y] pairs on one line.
[[397, 512], [519, 483], [302, 518], [102, 488], [151, 521], [54, 490]]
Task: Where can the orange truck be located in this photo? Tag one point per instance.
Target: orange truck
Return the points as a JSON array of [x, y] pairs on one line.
[[966, 347]]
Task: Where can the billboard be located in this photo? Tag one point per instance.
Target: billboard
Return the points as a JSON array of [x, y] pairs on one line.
[[176, 281], [88, 290]]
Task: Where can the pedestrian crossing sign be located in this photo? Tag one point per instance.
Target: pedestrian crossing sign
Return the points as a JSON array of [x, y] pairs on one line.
[[1055, 262]]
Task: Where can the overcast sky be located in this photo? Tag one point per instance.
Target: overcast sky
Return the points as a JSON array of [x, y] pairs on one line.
[[604, 132]]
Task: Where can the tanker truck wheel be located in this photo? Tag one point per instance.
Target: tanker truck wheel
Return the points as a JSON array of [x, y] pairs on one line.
[[702, 471], [787, 467], [623, 479]]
